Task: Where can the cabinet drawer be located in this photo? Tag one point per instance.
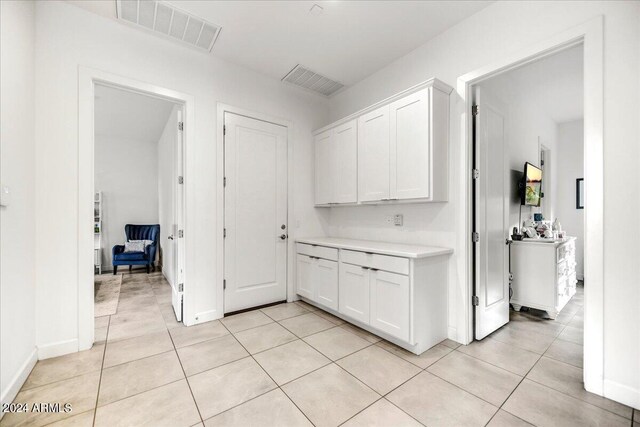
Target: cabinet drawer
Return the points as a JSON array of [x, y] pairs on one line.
[[317, 251], [376, 261]]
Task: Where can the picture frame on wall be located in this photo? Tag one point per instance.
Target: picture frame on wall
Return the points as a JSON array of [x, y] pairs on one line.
[[580, 193]]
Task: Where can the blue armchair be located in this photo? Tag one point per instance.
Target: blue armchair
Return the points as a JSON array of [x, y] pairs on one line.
[[148, 257]]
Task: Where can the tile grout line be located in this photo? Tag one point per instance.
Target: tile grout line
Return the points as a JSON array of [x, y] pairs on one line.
[[104, 353], [185, 378], [525, 376], [271, 378]]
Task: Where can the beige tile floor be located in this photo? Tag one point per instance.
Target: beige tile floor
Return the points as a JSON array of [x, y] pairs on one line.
[[293, 365]]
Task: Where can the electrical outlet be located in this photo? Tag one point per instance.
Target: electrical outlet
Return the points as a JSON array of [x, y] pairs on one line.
[[389, 219], [398, 220]]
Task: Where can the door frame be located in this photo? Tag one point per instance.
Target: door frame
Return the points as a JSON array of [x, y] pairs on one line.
[[87, 79], [590, 34], [221, 110]]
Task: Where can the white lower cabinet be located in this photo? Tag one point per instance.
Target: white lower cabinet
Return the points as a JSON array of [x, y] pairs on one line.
[[401, 299], [305, 282], [390, 303], [354, 292], [325, 275], [318, 280]]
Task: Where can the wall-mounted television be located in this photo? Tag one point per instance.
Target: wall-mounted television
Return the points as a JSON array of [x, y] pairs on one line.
[[531, 194]]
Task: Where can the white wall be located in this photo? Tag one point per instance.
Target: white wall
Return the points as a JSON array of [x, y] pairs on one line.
[[17, 221], [166, 186], [488, 36], [126, 172], [107, 45], [570, 168], [527, 125]]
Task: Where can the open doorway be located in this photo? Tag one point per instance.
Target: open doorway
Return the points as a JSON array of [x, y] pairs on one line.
[[528, 232], [138, 213]]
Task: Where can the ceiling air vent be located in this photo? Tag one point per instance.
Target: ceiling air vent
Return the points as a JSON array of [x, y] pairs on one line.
[[169, 21], [303, 77]]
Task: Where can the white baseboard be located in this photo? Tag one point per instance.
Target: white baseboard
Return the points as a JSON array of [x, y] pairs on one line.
[[19, 378], [56, 349], [452, 333], [622, 393]]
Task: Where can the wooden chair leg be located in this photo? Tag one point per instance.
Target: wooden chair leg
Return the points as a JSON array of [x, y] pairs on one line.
[[148, 268], [115, 270]]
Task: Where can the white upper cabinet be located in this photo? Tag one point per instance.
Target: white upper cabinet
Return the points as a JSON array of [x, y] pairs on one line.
[[345, 185], [324, 167], [373, 155], [337, 165], [402, 151], [410, 147]]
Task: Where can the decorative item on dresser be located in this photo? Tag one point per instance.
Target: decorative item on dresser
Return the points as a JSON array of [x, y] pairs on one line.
[[544, 274], [396, 291]]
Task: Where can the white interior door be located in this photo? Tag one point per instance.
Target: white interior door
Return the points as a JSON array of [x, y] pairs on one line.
[[255, 245], [176, 245], [491, 217]]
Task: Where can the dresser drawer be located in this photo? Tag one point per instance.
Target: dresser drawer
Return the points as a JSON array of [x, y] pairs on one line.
[[317, 251], [376, 261]]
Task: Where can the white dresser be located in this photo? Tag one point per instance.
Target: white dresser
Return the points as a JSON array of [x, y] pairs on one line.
[[544, 274], [396, 291]]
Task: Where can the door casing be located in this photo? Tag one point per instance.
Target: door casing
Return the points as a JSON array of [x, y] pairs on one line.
[[87, 79], [590, 35], [221, 110]]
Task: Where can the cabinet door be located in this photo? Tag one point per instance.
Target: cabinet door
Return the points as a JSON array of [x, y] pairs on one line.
[[345, 140], [410, 148], [325, 278], [373, 155], [390, 303], [354, 292], [324, 167], [305, 283]]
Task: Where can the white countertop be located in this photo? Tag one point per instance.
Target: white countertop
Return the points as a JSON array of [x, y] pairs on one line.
[[544, 242], [385, 248]]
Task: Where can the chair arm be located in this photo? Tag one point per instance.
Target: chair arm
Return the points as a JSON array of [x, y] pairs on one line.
[[150, 250], [117, 249]]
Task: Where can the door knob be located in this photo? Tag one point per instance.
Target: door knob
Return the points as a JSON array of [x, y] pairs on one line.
[[170, 237], [283, 226], [283, 236]]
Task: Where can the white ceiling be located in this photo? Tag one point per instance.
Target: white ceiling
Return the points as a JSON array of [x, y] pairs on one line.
[[129, 115], [554, 84], [349, 41]]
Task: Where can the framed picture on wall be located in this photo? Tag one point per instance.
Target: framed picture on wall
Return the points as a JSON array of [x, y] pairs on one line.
[[580, 193]]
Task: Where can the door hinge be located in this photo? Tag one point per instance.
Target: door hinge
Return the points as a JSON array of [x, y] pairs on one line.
[[475, 237], [180, 180], [224, 129], [224, 181], [475, 300], [224, 284], [475, 110], [180, 125], [224, 233], [180, 233], [510, 277], [476, 174], [181, 287]]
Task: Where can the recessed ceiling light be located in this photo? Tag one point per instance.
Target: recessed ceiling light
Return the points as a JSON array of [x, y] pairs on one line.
[[316, 10]]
